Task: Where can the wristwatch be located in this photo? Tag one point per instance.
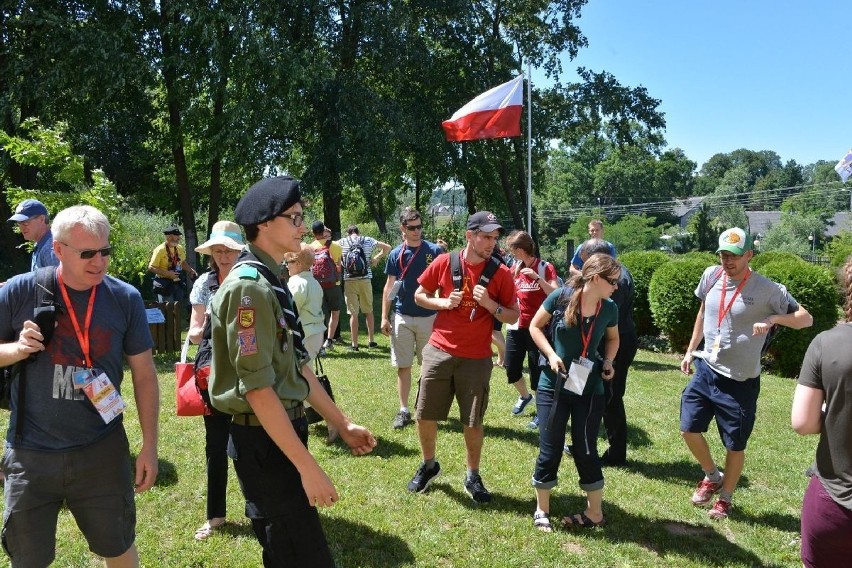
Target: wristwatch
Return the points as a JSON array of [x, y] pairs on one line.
[[499, 310]]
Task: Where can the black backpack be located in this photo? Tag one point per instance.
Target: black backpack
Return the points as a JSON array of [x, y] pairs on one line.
[[355, 263], [486, 276], [44, 315]]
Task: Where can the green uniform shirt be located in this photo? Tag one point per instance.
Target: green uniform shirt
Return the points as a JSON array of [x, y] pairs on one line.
[[252, 345], [568, 343]]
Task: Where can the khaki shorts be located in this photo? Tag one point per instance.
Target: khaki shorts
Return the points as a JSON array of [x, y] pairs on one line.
[[410, 335], [444, 377], [359, 295]]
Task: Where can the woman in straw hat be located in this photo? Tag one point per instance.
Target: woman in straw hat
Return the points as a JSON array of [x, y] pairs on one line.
[[223, 247]]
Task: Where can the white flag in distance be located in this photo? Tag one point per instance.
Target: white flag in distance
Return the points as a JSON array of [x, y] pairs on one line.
[[493, 114], [844, 166]]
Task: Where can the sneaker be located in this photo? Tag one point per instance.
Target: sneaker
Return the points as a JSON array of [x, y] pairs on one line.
[[567, 450], [353, 348], [372, 345], [533, 425], [339, 341], [401, 419], [705, 491], [521, 404], [423, 478], [328, 345], [720, 510], [476, 489]]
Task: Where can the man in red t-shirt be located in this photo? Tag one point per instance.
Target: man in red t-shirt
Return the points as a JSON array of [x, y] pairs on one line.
[[457, 359]]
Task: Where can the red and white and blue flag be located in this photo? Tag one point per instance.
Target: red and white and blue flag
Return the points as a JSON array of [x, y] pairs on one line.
[[844, 166], [493, 114]]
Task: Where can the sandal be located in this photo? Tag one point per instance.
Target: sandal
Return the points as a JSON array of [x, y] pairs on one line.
[[208, 528], [542, 522], [581, 521]]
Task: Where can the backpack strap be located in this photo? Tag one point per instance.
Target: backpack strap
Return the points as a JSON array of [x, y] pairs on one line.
[[489, 271], [45, 297], [455, 267]]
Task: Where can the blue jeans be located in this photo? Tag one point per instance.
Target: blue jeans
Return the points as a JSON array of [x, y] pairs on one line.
[[585, 413]]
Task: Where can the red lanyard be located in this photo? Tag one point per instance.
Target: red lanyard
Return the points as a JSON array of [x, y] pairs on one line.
[[402, 270], [723, 311], [173, 260], [82, 336], [587, 337]]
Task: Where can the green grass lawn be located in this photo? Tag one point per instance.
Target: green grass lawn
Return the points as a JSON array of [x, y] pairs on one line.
[[377, 523]]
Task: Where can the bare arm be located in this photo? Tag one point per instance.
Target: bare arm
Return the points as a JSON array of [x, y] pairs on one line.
[[426, 299], [697, 334], [385, 324], [384, 249], [29, 341], [611, 343], [540, 320], [806, 416], [146, 391], [196, 323]]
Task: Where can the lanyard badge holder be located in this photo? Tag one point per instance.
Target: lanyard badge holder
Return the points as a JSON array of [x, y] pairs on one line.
[[581, 367], [97, 386], [713, 356]]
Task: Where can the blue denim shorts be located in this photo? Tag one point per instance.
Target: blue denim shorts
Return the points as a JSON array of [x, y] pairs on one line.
[[733, 403]]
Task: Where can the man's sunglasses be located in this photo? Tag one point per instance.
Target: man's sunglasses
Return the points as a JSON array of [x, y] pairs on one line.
[[87, 254], [413, 228]]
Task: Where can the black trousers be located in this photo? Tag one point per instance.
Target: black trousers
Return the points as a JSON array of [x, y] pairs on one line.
[[615, 417], [216, 432], [286, 525]]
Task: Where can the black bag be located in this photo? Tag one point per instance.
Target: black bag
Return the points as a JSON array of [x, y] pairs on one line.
[[163, 286], [557, 316], [313, 415], [44, 315], [355, 263]]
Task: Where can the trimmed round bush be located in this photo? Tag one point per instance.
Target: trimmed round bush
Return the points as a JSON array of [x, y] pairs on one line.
[[706, 257], [642, 265], [840, 254], [762, 259], [815, 289], [672, 299]]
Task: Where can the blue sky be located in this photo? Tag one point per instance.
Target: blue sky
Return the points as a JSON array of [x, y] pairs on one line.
[[731, 74]]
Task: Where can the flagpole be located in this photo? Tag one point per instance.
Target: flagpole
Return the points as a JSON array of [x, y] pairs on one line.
[[529, 149]]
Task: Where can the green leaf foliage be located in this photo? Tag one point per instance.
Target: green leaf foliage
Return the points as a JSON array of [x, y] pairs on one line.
[[707, 258], [672, 299], [642, 265], [762, 259], [814, 288]]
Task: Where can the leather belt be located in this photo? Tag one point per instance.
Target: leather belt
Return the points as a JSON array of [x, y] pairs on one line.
[[294, 413]]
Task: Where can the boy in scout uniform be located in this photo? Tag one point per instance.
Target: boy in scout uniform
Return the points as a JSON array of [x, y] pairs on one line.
[[260, 377]]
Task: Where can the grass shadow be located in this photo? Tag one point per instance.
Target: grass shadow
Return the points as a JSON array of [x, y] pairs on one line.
[[167, 475], [357, 544], [780, 521], [636, 436], [703, 542], [678, 471], [653, 366]]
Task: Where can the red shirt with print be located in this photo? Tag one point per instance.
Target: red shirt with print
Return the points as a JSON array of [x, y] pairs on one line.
[[530, 294], [453, 330]]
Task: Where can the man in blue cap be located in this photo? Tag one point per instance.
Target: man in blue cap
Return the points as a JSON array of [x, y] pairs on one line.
[[260, 376], [34, 223]]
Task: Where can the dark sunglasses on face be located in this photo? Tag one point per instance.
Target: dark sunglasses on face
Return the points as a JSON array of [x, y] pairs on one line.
[[87, 254], [414, 227], [611, 281]]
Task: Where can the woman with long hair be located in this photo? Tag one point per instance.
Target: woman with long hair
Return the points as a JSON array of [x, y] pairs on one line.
[[571, 387], [223, 247], [822, 404], [534, 280]]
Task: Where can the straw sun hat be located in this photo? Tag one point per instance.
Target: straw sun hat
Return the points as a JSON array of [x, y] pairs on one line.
[[225, 233]]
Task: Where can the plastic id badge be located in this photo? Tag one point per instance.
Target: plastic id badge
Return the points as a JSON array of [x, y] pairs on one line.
[[394, 290], [578, 375], [83, 377], [104, 397]]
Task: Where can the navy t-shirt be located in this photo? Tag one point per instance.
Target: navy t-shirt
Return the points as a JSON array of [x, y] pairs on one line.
[[412, 264], [59, 417]]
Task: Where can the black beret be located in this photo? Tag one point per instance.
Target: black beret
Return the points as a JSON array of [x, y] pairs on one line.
[[266, 199]]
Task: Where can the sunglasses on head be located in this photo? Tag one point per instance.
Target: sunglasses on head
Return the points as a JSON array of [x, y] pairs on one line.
[[87, 254]]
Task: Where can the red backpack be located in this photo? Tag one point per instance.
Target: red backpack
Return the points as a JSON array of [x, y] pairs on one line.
[[324, 268]]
